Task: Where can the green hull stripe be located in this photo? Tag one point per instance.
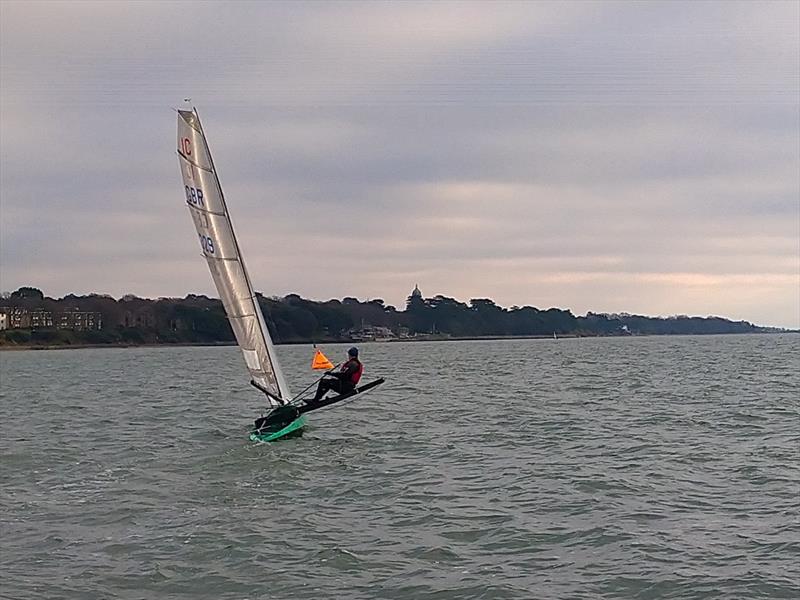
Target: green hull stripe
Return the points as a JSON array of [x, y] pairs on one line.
[[298, 423]]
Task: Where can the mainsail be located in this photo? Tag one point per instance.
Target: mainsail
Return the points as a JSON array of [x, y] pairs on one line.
[[218, 242]]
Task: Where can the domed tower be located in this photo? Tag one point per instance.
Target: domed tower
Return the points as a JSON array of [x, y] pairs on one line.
[[415, 299]]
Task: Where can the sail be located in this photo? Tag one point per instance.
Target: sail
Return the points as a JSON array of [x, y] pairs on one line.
[[218, 244]]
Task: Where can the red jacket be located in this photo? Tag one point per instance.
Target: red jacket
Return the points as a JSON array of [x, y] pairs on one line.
[[351, 371]]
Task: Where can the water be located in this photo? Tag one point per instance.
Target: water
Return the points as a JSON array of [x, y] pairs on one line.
[[662, 467]]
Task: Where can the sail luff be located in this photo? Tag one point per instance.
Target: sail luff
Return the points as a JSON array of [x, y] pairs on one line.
[[224, 257]]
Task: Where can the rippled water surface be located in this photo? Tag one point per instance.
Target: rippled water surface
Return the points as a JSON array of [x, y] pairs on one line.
[[663, 467]]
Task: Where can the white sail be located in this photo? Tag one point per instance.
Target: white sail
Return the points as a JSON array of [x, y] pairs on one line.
[[218, 243]]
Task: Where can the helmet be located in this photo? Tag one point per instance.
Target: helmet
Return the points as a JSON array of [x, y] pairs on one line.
[[353, 351]]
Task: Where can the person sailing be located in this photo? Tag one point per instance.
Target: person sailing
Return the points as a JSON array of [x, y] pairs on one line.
[[342, 381]]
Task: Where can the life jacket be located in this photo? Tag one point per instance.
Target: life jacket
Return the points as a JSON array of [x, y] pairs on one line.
[[356, 376]]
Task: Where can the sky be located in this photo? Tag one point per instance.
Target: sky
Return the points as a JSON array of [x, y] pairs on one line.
[[595, 156]]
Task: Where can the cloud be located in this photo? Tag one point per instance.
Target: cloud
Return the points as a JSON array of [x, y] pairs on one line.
[[599, 156]]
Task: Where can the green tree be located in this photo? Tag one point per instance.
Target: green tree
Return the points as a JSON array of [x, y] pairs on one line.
[[28, 292]]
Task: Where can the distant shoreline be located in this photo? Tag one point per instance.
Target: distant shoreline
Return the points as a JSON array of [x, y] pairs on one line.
[[109, 346], [429, 338], [31, 320]]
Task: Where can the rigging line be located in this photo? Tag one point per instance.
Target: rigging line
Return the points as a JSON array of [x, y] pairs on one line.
[[297, 397]]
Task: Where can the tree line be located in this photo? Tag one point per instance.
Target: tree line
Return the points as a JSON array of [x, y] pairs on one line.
[[290, 319]]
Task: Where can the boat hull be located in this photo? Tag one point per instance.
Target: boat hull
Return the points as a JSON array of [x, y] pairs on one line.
[[311, 405], [293, 429], [289, 420]]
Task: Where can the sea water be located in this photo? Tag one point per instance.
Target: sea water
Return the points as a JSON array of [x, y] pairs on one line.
[[652, 467]]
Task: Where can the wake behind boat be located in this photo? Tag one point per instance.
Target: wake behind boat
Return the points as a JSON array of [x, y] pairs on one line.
[[212, 221]]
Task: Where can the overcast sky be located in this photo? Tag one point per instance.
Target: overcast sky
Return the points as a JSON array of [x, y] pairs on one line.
[[639, 157]]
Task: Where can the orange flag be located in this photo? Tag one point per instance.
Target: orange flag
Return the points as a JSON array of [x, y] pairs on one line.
[[321, 362]]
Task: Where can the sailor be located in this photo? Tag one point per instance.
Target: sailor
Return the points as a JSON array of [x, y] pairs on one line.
[[344, 380]]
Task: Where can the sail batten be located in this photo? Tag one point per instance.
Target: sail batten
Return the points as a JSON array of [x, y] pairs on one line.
[[219, 246], [220, 258], [206, 212], [193, 163]]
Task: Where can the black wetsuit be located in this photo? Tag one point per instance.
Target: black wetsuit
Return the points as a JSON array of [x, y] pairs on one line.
[[342, 381]]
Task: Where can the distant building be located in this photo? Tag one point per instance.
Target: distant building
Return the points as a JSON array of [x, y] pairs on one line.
[[21, 318], [80, 320], [12, 316], [415, 300], [41, 319], [18, 318], [371, 333]]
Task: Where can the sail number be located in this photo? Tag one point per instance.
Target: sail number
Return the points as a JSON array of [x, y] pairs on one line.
[[207, 243], [194, 196]]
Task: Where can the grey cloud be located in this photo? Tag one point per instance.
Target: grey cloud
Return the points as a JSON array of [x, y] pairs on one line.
[[595, 155]]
